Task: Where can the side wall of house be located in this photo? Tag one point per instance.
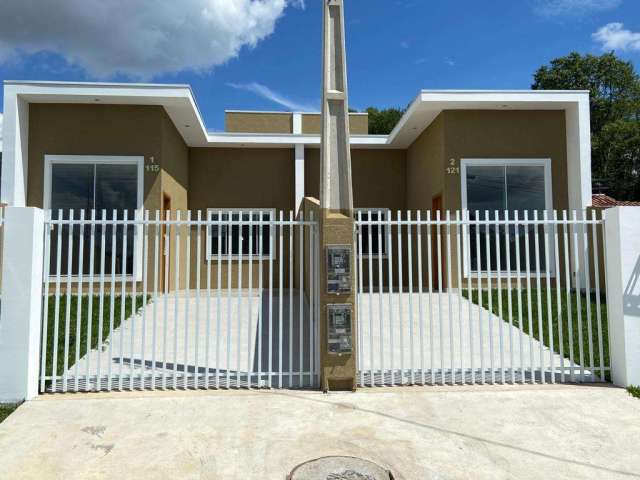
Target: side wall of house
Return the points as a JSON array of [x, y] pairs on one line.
[[244, 179]]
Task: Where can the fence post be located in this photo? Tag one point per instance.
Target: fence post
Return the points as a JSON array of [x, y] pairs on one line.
[[21, 303], [622, 256]]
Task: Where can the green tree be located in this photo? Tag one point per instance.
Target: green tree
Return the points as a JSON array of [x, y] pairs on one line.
[[382, 122], [614, 88]]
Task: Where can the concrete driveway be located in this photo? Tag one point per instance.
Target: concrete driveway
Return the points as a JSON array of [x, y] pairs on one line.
[[492, 432]]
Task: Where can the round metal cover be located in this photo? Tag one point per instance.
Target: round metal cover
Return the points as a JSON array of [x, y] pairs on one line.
[[340, 468]]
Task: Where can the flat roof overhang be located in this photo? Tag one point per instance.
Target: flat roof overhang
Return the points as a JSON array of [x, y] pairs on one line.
[[180, 104]]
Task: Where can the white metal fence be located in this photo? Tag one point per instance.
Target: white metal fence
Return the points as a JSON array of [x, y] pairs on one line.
[[226, 299], [498, 297]]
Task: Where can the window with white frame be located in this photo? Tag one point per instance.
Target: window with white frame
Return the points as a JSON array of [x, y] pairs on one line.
[[517, 185], [83, 184], [377, 230], [240, 233]]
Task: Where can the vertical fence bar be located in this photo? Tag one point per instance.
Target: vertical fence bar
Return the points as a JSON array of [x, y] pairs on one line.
[[420, 294], [271, 236], [578, 273], [529, 301], [250, 300], [187, 301], [176, 299], [380, 288], [56, 314], [480, 308], [313, 285], [92, 254], [144, 272], [390, 280], [123, 299], [547, 254], [450, 304], [459, 288], [567, 272], [239, 296], [587, 286], [67, 314], [229, 224], [596, 271], [539, 296], [519, 291], [487, 244], [499, 282], [48, 227], [208, 255], [219, 298], [260, 297], [196, 363], [134, 295], [469, 268], [79, 299], [558, 293], [156, 253], [430, 286], [410, 281], [165, 260], [359, 296], [507, 242], [112, 299], [301, 294], [440, 290], [370, 296], [103, 228], [400, 295], [290, 284], [280, 297]]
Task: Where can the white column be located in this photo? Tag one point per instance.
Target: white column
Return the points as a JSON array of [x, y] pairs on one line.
[[15, 148], [21, 303], [622, 240], [578, 126], [299, 161], [299, 175]]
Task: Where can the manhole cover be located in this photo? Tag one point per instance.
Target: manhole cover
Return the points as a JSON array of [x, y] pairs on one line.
[[340, 468]]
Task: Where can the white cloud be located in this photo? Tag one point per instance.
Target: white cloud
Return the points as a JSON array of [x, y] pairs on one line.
[[138, 39], [576, 8], [614, 36], [275, 97]]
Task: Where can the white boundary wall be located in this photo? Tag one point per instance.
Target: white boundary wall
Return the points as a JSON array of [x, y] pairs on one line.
[[622, 236]]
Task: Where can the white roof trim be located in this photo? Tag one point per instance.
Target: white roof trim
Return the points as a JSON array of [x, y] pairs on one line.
[[179, 102]]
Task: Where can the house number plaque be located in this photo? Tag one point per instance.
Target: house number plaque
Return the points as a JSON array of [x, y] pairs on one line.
[[338, 269], [339, 320]]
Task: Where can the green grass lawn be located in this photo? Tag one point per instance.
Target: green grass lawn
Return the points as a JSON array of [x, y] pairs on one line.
[[634, 391], [575, 317], [84, 323], [6, 409]]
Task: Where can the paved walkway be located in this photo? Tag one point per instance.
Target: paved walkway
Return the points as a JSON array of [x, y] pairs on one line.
[[420, 433]]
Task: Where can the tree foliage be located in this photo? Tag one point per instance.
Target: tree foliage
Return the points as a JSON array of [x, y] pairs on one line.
[[382, 122], [614, 88]]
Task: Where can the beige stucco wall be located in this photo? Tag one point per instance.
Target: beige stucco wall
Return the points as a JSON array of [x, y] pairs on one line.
[[379, 177], [240, 178], [358, 123], [258, 122], [459, 134]]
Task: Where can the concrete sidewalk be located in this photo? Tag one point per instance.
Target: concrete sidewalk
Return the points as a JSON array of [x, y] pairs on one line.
[[492, 432]]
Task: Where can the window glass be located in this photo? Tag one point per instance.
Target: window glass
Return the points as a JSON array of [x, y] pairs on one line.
[[83, 187], [378, 232], [504, 187], [243, 239]]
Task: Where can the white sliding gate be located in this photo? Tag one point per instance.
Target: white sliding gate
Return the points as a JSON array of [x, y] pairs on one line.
[[541, 317], [225, 300]]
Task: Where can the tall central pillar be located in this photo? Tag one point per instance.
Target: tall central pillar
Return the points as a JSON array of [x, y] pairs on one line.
[[337, 281]]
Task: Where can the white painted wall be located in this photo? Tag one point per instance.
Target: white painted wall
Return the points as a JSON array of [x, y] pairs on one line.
[[21, 303], [622, 237]]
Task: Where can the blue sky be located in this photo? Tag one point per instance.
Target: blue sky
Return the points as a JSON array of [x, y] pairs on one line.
[[239, 54]]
